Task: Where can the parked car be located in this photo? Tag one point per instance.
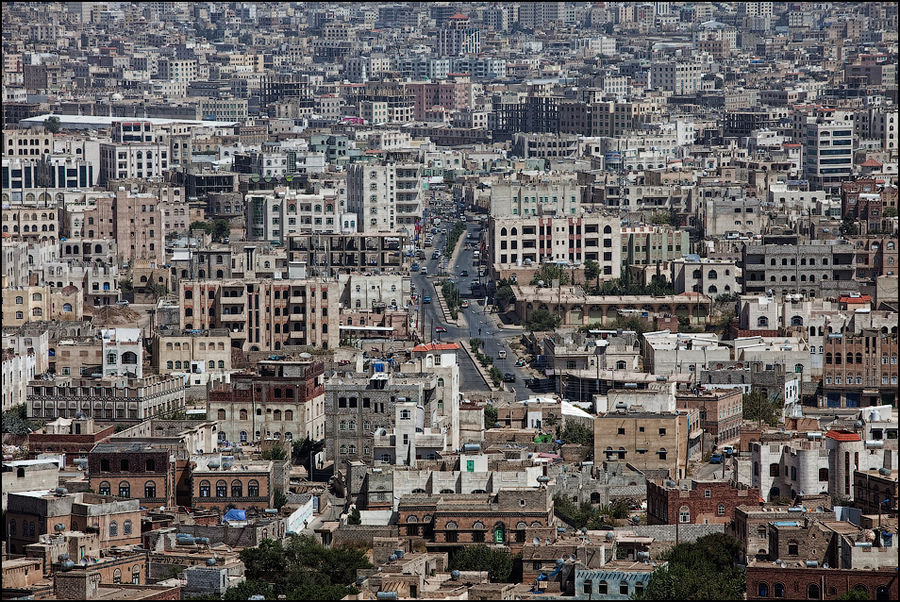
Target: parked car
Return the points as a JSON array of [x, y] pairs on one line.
[[520, 363], [716, 459], [426, 300], [509, 377], [440, 329], [464, 304], [464, 273], [501, 354]]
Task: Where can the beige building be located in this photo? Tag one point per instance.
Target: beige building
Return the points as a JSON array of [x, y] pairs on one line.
[[647, 441], [203, 358], [39, 303], [133, 220], [30, 224]]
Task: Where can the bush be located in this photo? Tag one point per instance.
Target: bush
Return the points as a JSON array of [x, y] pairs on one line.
[[578, 433], [496, 375], [700, 570], [16, 421], [490, 416], [550, 272], [497, 562], [541, 319], [276, 452], [453, 237]]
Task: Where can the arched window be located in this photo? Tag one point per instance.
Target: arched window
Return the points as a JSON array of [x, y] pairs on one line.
[[149, 490], [243, 414], [762, 322], [136, 575], [220, 415], [713, 275], [126, 528], [204, 488], [253, 488], [763, 590], [124, 489], [779, 590], [288, 415], [221, 489], [812, 592], [103, 488], [237, 489], [117, 576], [113, 529], [684, 514]]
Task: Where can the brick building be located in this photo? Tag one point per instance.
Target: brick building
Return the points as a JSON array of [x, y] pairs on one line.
[[648, 441], [283, 400], [131, 469], [860, 369], [875, 491], [765, 580], [751, 523], [861, 200], [721, 412], [696, 502], [71, 437], [220, 483], [457, 519]]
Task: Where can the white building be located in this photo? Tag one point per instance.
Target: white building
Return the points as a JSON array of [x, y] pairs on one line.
[[122, 352], [385, 198]]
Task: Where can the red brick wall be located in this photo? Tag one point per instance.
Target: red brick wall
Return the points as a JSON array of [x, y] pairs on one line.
[[797, 581], [663, 504]]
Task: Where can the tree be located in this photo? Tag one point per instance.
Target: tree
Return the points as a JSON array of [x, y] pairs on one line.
[[16, 421], [856, 593], [759, 408], [497, 562], [244, 590], [490, 416], [591, 271], [279, 499], [276, 452], [504, 297], [701, 570], [220, 230], [578, 433], [52, 124], [849, 226], [550, 272], [541, 319], [354, 518]]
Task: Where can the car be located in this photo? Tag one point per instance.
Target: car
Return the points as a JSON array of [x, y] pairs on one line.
[[729, 451], [414, 267], [509, 377], [464, 274], [464, 304], [501, 354], [520, 363], [424, 270], [122, 302], [426, 299], [716, 459], [440, 329]]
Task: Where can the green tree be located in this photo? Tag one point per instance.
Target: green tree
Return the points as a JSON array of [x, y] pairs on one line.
[[497, 562], [550, 272], [490, 416], [496, 375], [849, 226], [220, 230], [354, 518], [52, 124], [504, 297], [244, 590], [201, 225], [578, 433], [16, 421], [541, 319], [591, 271], [700, 570], [279, 499], [759, 408], [276, 452]]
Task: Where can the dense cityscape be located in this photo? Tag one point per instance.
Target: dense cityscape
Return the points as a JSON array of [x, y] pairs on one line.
[[470, 301]]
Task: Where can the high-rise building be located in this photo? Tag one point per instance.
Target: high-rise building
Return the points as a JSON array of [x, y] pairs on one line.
[[385, 198], [458, 36]]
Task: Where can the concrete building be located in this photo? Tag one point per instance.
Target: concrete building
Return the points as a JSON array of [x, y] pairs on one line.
[[711, 277], [385, 198], [786, 266], [696, 502]]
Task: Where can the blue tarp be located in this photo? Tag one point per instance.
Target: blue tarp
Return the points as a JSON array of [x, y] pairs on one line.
[[235, 515]]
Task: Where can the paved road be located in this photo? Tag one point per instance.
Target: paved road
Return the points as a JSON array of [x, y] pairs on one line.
[[477, 324]]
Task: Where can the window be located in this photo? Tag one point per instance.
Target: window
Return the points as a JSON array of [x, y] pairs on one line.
[[684, 514], [721, 510], [204, 488], [623, 588], [793, 548], [237, 489], [763, 590], [117, 575], [602, 587], [103, 488], [124, 489], [221, 489], [812, 592], [113, 529], [150, 490], [253, 488], [126, 528]]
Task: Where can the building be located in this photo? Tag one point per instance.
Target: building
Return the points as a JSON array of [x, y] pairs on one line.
[[861, 200], [682, 78], [72, 438], [647, 441], [654, 245], [385, 198], [458, 36], [711, 277], [220, 484], [796, 581], [860, 369], [721, 412], [29, 475], [284, 400], [827, 140], [264, 315], [786, 265], [696, 502], [120, 398]]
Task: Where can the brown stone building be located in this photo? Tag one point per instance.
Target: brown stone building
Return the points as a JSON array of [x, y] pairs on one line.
[[450, 520], [765, 580], [648, 441], [137, 470], [875, 491], [696, 502], [861, 369], [73, 437], [221, 484], [751, 524], [862, 201], [133, 220], [876, 256], [721, 412]]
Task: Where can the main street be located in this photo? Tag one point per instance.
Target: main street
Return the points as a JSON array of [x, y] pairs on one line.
[[476, 323]]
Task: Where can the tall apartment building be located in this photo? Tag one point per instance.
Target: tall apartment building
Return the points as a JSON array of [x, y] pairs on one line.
[[133, 219], [177, 70], [678, 77], [264, 315], [860, 369], [136, 151], [385, 198], [458, 36], [274, 217], [827, 138], [283, 400], [649, 245], [785, 265]]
